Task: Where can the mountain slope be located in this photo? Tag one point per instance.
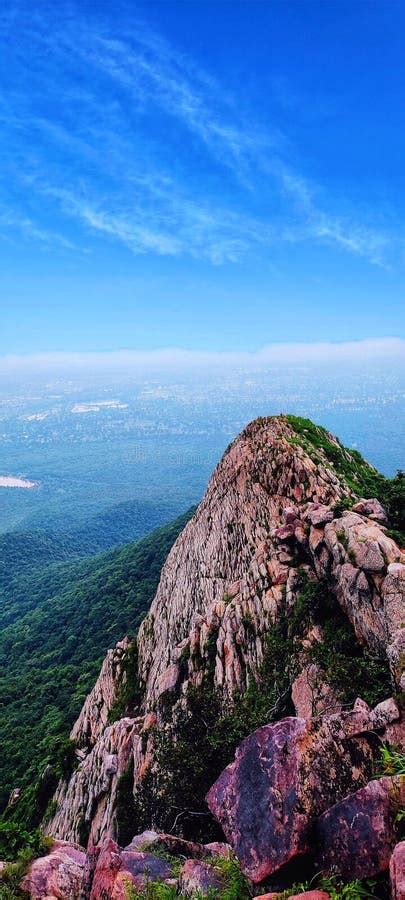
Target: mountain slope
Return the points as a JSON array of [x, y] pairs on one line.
[[50, 654], [24, 553], [284, 595]]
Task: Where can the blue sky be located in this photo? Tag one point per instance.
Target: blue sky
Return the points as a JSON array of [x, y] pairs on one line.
[[211, 176]]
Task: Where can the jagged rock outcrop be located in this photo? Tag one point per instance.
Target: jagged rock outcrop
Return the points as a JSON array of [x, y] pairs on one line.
[[86, 803], [234, 558], [94, 716], [272, 522]]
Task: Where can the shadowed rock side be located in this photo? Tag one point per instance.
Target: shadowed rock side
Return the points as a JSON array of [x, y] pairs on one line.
[[280, 540]]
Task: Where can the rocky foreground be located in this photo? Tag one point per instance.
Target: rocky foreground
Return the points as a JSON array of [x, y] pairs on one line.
[[243, 728]]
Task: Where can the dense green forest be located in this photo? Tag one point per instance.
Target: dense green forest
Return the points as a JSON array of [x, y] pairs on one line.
[[26, 555], [63, 618], [61, 538]]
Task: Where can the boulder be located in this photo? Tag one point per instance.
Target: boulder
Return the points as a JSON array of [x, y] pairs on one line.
[[385, 713], [218, 848], [372, 509], [168, 843], [143, 841], [395, 734], [356, 836], [59, 874], [368, 556], [169, 680], [200, 878], [290, 514], [397, 872], [318, 514], [106, 869], [286, 532], [284, 775], [116, 869], [311, 895], [307, 895]]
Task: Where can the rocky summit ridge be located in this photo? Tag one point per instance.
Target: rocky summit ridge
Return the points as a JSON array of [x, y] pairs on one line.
[[276, 634]]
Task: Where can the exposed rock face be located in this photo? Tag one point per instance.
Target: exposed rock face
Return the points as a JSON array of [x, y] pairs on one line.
[[268, 516], [312, 695], [59, 874], [233, 548], [93, 718], [86, 803]]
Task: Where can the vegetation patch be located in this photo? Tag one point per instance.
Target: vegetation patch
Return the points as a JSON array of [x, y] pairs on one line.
[[392, 761], [351, 669], [235, 885], [125, 812], [337, 889], [18, 848], [130, 689]]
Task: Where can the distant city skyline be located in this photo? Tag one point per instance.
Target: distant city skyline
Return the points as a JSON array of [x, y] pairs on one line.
[[213, 177]]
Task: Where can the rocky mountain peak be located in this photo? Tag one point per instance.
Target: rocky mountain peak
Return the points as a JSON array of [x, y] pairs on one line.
[[262, 482], [281, 602]]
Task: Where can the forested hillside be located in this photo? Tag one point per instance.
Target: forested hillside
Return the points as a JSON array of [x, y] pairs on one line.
[[64, 617], [26, 555]]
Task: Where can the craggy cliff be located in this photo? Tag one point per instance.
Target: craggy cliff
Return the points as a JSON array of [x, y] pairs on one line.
[[276, 633]]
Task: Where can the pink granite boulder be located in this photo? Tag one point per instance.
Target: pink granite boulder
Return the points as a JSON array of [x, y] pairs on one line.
[[318, 514], [371, 508], [218, 848], [397, 872], [200, 878], [118, 869], [59, 874], [169, 843], [284, 775], [356, 836], [286, 532], [307, 895], [311, 895], [92, 855]]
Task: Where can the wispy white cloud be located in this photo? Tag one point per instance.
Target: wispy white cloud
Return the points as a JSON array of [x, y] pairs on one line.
[[100, 162], [11, 221], [389, 350], [159, 218]]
